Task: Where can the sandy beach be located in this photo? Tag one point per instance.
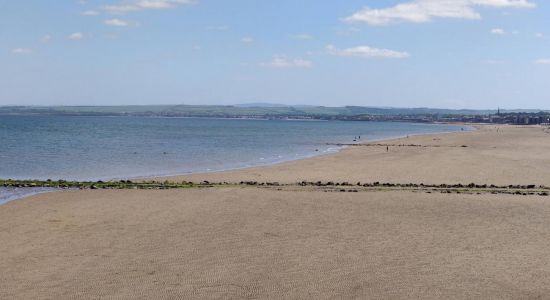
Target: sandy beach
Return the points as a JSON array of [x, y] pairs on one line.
[[493, 155], [240, 242]]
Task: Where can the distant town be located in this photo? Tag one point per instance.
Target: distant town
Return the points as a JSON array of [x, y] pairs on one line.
[[281, 112], [514, 118]]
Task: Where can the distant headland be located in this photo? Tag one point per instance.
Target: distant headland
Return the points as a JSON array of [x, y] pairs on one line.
[[298, 112]]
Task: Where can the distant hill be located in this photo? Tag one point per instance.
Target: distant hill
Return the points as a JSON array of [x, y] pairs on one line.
[[249, 105], [252, 110]]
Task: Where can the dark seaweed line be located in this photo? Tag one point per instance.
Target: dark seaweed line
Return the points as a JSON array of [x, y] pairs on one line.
[[532, 192], [471, 188], [399, 145], [327, 186], [122, 184]]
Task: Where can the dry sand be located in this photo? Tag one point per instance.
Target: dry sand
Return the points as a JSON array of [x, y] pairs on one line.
[[249, 242]]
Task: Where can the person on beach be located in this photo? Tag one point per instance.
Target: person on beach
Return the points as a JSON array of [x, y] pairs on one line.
[[387, 148]]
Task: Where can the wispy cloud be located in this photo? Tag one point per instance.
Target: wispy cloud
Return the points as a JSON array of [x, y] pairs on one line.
[[137, 5], [539, 35], [543, 61], [367, 52], [498, 31], [247, 39], [301, 36], [21, 51], [46, 38], [218, 28], [283, 62], [90, 13], [76, 36], [421, 11], [117, 22]]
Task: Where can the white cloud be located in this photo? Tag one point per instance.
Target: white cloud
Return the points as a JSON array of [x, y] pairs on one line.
[[494, 62], [498, 31], [504, 3], [46, 38], [421, 11], [543, 61], [367, 52], [301, 36], [247, 40], [161, 4], [90, 13], [539, 35], [76, 36], [120, 9], [116, 22], [21, 51], [137, 5], [283, 62]]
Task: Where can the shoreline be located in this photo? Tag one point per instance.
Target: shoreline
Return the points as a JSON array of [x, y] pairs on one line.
[[338, 149], [328, 152], [18, 193], [341, 149], [402, 165], [177, 161]]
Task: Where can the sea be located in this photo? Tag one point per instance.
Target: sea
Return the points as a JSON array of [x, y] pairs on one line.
[[113, 148]]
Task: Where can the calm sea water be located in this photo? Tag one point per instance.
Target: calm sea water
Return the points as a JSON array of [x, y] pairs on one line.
[[94, 148]]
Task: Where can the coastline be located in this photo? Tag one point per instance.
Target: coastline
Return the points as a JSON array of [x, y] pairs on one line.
[[184, 146], [338, 149], [255, 172], [333, 150], [298, 241]]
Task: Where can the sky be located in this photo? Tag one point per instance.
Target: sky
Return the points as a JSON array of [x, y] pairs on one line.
[[480, 54]]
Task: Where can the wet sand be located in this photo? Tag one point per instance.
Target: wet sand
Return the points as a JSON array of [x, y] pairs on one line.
[[253, 242]]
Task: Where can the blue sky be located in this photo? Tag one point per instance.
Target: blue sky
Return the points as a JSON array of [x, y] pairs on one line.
[[408, 53]]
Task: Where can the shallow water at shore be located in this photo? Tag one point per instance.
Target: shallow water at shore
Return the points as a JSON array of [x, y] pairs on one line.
[[8, 194]]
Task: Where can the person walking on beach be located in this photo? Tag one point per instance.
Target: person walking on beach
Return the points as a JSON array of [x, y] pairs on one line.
[[387, 148]]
